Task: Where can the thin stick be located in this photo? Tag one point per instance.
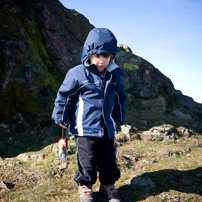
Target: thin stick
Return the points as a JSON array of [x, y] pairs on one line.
[[62, 133]]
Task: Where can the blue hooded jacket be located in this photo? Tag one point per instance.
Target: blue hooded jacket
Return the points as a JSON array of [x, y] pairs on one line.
[[84, 99]]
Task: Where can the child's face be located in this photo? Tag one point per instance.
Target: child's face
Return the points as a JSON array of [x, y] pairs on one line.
[[100, 61]]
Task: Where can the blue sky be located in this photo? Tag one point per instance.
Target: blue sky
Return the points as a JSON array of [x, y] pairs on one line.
[[167, 33]]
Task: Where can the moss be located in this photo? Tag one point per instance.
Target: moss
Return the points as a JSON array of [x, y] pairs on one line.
[[120, 53], [33, 106], [136, 67], [130, 66], [39, 51], [133, 60], [52, 81], [75, 13], [140, 59]]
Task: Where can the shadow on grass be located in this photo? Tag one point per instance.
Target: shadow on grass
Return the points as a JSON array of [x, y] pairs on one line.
[[189, 182], [40, 137]]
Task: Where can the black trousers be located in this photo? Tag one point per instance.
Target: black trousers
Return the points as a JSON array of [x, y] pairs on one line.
[[96, 154]]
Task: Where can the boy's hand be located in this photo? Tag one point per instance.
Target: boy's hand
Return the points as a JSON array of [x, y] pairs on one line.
[[63, 126]]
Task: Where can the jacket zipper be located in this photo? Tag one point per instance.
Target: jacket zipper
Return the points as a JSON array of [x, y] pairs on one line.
[[105, 89]]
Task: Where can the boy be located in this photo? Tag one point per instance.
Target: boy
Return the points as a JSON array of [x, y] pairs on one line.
[[93, 98]]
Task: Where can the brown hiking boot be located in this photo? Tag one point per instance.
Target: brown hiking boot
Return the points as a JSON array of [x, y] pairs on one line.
[[86, 194], [110, 192]]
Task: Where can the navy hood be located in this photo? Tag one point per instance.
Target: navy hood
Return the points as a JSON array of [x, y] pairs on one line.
[[99, 41]]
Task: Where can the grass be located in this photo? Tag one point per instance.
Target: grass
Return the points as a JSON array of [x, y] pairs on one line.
[[174, 167]]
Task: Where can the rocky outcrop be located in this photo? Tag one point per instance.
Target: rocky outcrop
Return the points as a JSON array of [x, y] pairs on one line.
[[151, 96], [41, 40]]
